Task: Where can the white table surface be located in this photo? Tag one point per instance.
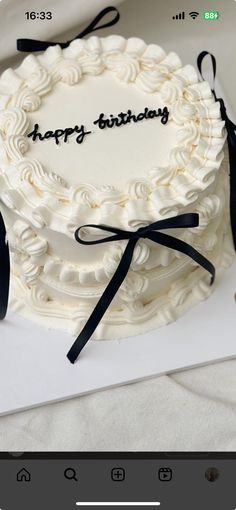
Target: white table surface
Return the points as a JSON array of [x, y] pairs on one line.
[[193, 410]]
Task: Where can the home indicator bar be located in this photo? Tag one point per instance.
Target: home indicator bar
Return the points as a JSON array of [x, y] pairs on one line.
[[118, 503]]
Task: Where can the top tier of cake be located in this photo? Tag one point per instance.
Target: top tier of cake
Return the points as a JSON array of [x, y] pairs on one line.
[[134, 172]]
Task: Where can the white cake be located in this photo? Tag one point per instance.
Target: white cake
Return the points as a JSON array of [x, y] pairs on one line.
[[125, 176]]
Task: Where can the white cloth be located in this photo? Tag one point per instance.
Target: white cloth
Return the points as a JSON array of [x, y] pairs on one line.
[[193, 410]]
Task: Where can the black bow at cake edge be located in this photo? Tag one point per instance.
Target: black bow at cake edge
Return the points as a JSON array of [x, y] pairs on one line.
[[231, 141], [32, 45], [151, 232]]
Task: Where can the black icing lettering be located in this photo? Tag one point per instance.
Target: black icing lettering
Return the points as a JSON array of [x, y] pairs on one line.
[[165, 116], [118, 122], [111, 122], [82, 134], [76, 129], [48, 134], [131, 116], [123, 118], [68, 132], [35, 133], [57, 134], [151, 114], [141, 116], [102, 122], [127, 117]]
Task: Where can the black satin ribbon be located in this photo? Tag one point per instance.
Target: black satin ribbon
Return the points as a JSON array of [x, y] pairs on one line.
[[4, 270], [231, 140], [31, 45], [151, 232]]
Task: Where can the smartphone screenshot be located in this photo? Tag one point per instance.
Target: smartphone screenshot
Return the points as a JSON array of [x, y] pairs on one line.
[[117, 254]]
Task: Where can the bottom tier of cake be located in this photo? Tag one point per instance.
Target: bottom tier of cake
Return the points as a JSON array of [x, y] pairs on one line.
[[161, 285]]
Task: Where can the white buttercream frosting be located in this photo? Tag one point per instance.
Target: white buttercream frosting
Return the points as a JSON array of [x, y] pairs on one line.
[[126, 177]]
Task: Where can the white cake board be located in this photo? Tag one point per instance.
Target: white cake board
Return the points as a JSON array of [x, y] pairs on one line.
[[34, 369]]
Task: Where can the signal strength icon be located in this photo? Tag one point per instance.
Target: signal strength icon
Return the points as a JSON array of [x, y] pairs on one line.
[[194, 14], [181, 15]]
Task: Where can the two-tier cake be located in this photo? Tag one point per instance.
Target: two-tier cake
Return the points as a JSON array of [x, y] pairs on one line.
[[109, 131]]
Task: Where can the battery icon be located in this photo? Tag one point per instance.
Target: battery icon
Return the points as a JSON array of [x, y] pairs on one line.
[[211, 15]]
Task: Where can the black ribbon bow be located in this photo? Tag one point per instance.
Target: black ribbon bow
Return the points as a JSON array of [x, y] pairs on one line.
[[31, 45], [151, 232], [4, 270], [231, 140]]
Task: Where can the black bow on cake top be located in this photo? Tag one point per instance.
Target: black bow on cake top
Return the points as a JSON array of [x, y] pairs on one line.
[[32, 45]]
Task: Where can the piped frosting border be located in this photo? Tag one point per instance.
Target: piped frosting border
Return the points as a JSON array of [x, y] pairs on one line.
[[45, 199]]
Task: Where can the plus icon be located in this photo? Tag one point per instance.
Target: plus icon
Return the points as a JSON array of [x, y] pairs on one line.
[[118, 474]]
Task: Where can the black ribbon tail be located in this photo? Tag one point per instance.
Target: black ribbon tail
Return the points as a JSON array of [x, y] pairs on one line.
[[4, 270], [185, 248], [93, 26], [231, 140], [104, 302], [200, 59], [151, 232], [32, 45]]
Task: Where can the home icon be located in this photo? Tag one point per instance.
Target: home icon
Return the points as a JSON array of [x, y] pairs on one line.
[[23, 475]]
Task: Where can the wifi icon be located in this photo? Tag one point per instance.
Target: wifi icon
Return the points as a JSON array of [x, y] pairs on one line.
[[194, 14]]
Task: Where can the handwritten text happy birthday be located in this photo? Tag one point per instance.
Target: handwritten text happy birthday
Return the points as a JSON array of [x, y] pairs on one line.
[[102, 122]]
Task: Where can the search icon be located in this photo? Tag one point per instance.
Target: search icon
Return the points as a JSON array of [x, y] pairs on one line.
[[70, 474]]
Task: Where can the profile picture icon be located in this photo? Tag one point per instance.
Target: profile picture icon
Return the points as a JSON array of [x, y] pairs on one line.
[[212, 474]]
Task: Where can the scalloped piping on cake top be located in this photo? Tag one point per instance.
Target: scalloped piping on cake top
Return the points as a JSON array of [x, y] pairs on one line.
[[34, 191]]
